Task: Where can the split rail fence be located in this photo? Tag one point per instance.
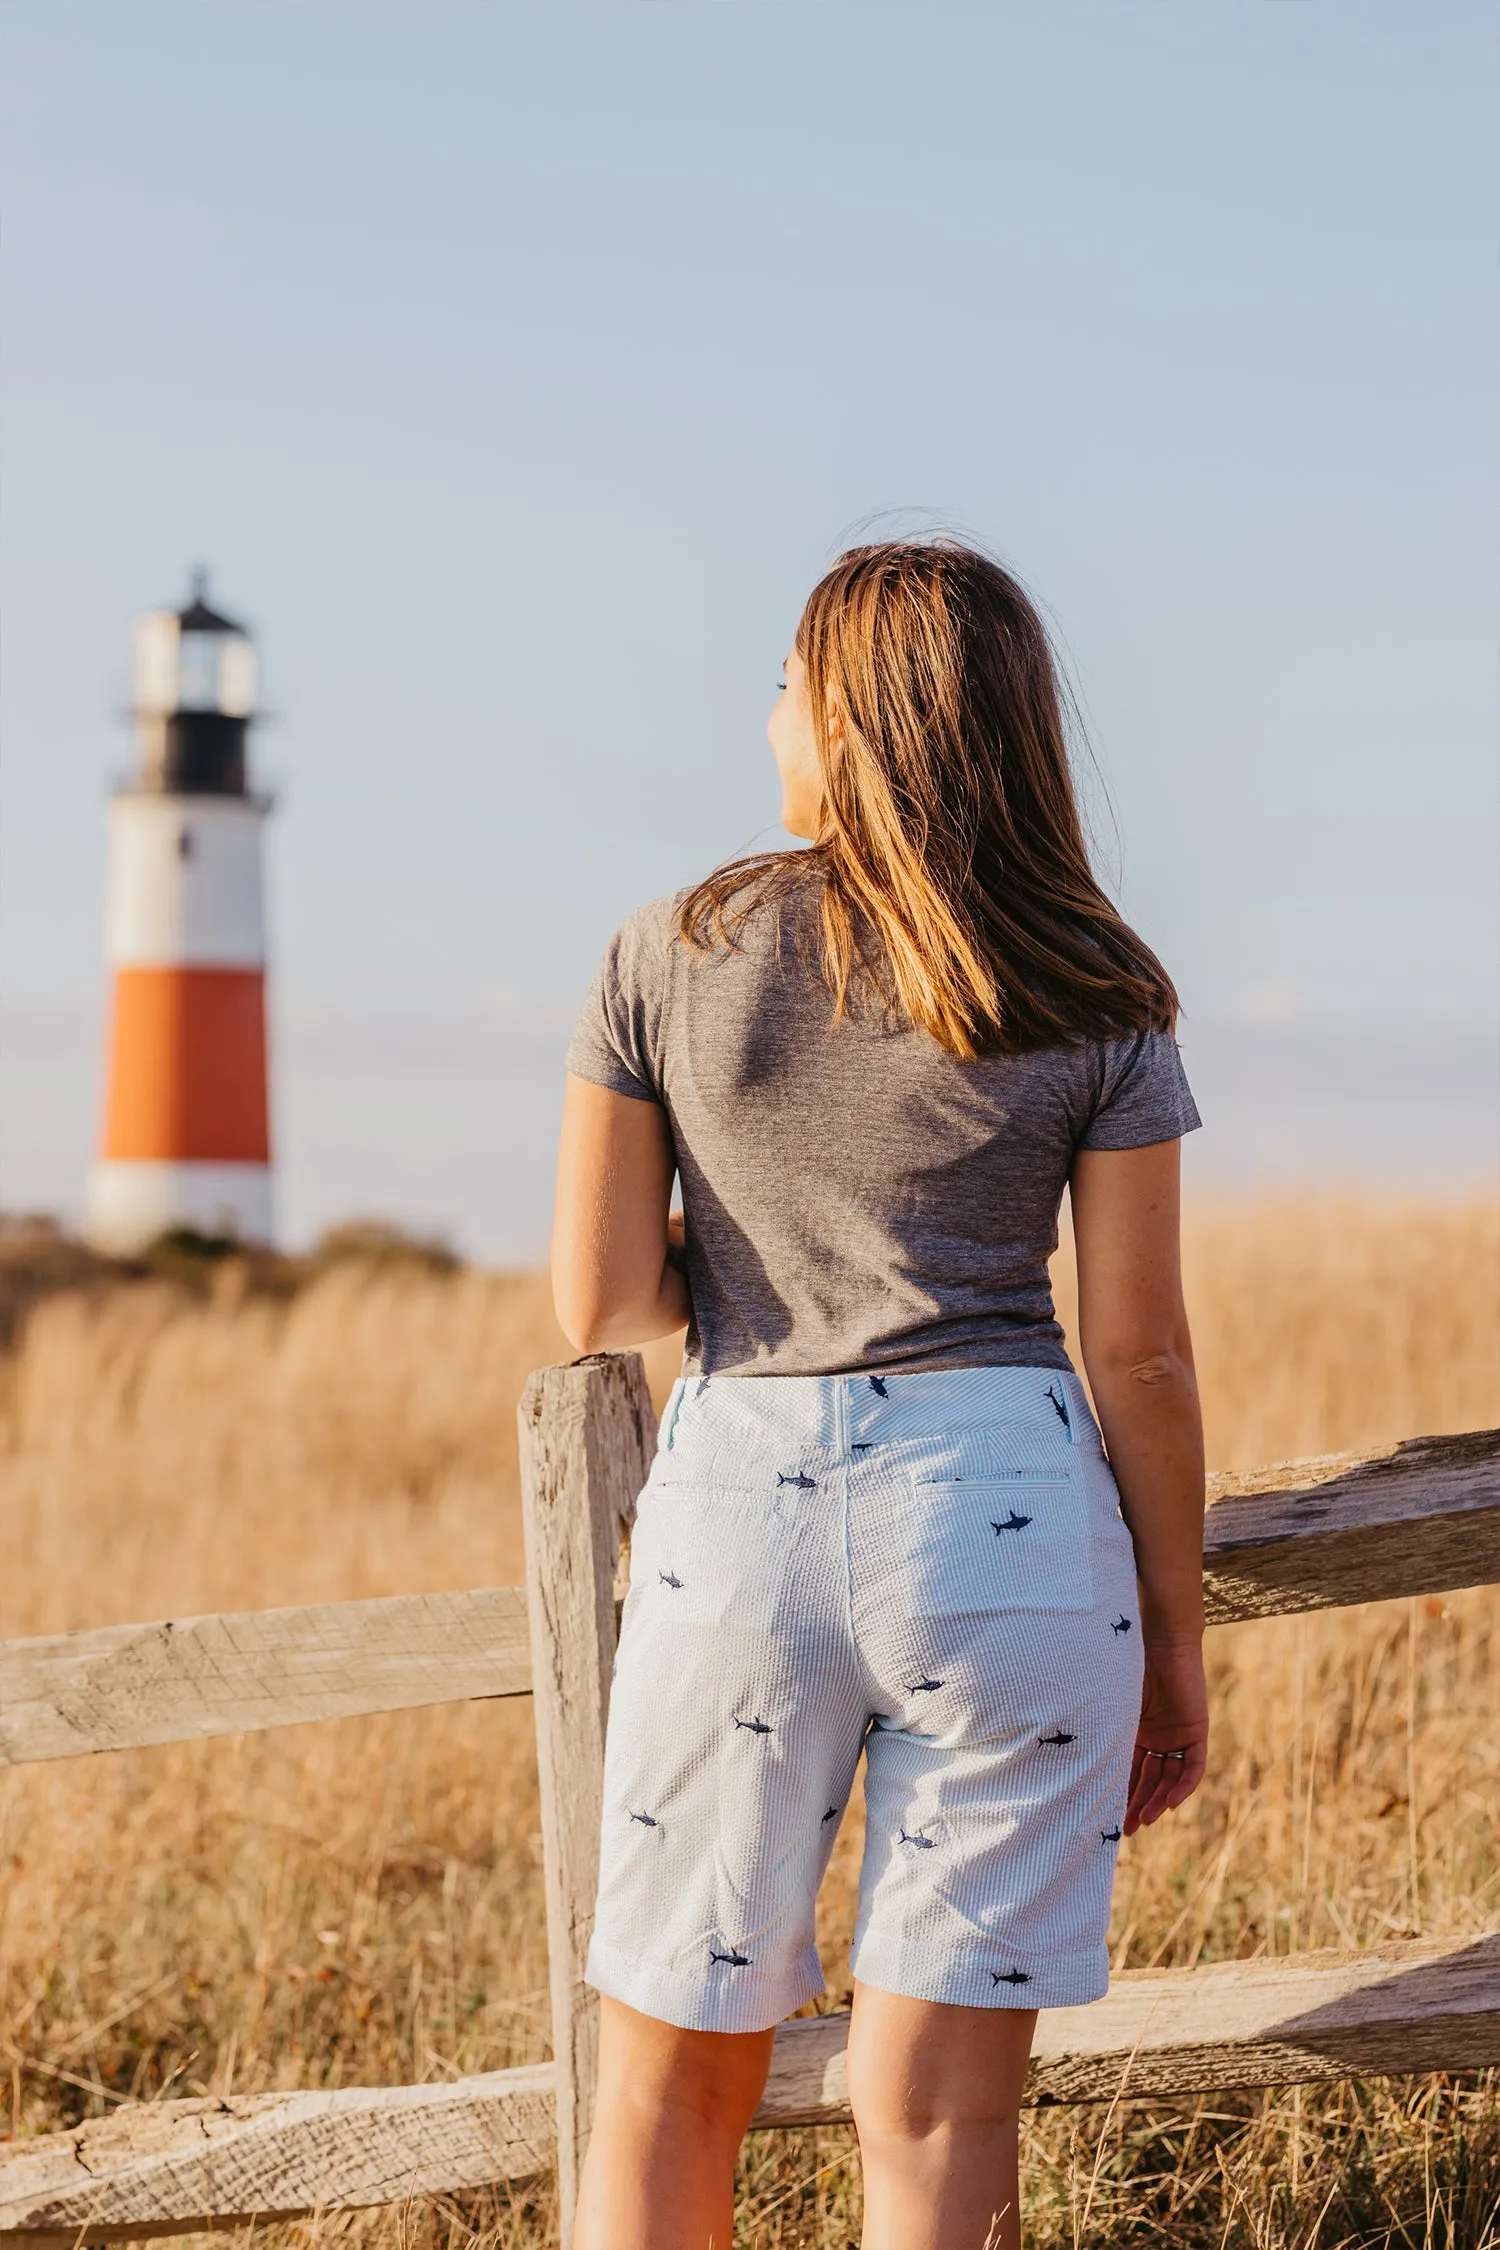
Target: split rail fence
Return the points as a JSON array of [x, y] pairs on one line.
[[1421, 1518]]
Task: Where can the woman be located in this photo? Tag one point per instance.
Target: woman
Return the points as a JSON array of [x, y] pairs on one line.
[[881, 1519]]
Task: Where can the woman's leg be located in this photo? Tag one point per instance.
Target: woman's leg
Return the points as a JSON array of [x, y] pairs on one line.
[[936, 2093], [672, 2110]]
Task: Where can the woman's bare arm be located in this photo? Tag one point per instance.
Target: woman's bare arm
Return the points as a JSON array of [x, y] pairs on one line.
[[1138, 1355], [616, 1272]]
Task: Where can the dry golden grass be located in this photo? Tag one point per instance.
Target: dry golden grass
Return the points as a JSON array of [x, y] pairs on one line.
[[361, 1903]]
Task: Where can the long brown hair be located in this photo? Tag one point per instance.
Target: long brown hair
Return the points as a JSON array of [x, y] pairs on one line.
[[953, 868]]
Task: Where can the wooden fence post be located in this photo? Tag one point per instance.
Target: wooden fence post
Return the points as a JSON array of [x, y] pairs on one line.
[[587, 1436]]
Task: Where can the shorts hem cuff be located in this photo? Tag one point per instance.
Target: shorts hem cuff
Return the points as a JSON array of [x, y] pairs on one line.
[[692, 2003], [1070, 1982]]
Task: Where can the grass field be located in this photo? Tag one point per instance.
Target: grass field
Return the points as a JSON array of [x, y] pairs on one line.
[[361, 1903]]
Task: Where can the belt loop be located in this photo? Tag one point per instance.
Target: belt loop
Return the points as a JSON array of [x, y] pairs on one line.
[[1063, 1408], [674, 1408]]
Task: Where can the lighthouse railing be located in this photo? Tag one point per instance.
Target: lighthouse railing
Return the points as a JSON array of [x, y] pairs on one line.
[[1421, 1517]]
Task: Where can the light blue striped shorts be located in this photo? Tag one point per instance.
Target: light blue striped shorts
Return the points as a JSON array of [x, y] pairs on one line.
[[931, 1569]]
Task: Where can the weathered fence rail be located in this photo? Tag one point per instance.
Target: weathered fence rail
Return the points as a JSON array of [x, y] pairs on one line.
[[176, 2167], [123, 1687], [1423, 1517]]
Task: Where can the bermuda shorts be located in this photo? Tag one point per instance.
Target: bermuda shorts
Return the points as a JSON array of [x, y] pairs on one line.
[[929, 1570]]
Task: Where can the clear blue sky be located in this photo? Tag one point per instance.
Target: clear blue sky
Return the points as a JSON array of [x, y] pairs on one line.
[[517, 369]]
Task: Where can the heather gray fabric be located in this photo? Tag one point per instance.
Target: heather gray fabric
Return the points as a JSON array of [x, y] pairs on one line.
[[855, 1196]]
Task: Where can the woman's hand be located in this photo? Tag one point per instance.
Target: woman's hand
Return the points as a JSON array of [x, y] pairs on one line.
[[1171, 1743]]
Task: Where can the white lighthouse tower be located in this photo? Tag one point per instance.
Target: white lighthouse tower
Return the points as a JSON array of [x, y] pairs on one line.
[[186, 1140]]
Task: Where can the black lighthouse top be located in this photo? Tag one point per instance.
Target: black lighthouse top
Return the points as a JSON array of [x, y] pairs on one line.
[[194, 699]]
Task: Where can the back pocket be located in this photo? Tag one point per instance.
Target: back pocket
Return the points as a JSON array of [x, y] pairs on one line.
[[703, 1551], [1018, 1539]]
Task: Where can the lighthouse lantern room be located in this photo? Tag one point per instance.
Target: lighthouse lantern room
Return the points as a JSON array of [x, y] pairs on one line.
[[186, 1139]]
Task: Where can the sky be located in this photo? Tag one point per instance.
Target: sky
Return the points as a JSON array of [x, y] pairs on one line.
[[516, 370]]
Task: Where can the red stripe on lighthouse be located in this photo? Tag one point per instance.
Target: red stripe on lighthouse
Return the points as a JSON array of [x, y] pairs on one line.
[[187, 1067]]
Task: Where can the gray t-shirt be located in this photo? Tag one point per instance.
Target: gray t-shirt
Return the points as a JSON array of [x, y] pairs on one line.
[[855, 1196]]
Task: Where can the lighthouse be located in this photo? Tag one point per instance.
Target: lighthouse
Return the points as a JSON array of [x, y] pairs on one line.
[[186, 1138]]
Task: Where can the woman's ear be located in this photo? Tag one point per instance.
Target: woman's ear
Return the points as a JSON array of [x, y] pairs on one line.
[[833, 722]]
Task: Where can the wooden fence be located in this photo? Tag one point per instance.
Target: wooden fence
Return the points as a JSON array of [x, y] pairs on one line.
[[1421, 1518]]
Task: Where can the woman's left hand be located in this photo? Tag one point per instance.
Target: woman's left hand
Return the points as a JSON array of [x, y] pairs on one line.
[[1171, 1743]]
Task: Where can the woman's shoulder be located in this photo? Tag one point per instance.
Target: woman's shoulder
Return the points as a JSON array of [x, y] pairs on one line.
[[1142, 1091], [658, 916], [617, 1039], [648, 931], [654, 946], [744, 907]]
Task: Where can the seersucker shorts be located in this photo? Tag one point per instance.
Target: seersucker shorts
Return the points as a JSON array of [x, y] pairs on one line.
[[929, 1569]]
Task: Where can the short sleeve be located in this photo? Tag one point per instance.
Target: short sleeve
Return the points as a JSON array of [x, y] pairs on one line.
[[1144, 1096], [617, 1039]]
